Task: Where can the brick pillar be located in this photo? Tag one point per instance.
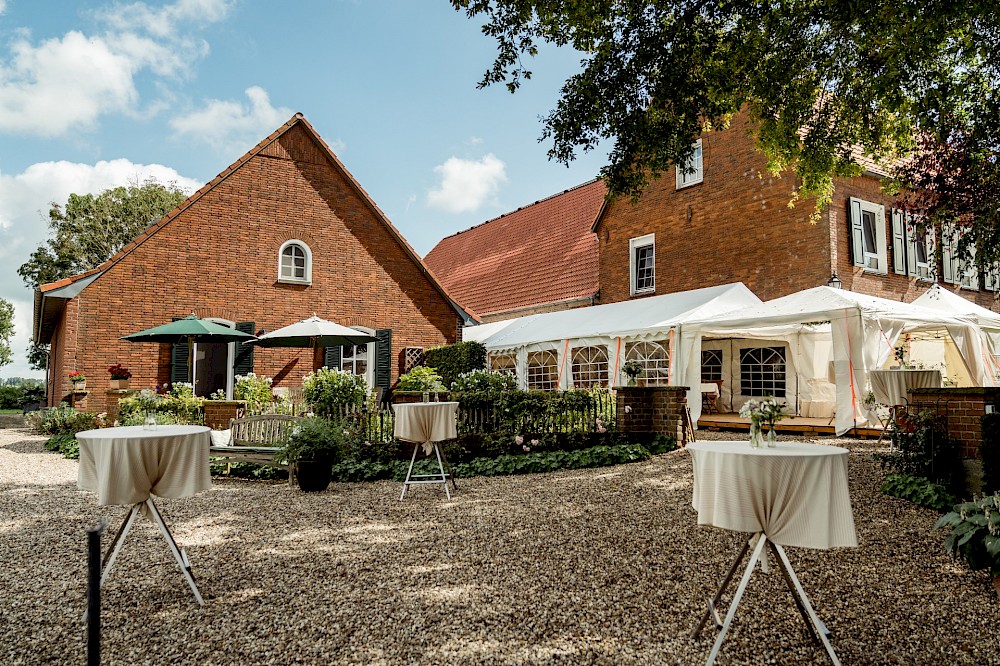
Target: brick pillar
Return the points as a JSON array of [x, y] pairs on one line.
[[78, 400], [656, 409], [219, 412], [111, 398]]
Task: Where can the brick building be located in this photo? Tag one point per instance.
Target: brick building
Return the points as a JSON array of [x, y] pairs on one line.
[[283, 233], [540, 258]]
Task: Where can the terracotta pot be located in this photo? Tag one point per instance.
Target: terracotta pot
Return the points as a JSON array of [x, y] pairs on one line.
[[119, 383]]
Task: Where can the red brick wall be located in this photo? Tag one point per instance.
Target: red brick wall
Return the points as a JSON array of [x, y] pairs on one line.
[[656, 409], [963, 407], [736, 226], [219, 258]]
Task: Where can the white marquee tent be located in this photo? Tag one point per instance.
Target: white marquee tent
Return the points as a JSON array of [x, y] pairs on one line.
[[827, 341], [588, 346], [937, 298]]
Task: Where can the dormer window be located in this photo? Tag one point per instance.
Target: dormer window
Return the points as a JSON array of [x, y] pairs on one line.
[[295, 263]]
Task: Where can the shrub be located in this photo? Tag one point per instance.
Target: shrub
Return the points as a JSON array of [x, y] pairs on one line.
[[256, 391], [11, 397], [453, 360], [65, 420], [990, 451], [918, 490], [178, 405], [315, 438], [64, 444], [975, 533], [921, 447], [421, 378], [484, 383], [332, 392], [246, 470]]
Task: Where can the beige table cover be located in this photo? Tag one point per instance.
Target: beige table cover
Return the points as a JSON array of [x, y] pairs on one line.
[[890, 386], [124, 465], [794, 493], [426, 422]]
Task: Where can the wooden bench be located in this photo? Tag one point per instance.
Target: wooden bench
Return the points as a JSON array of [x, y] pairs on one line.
[[256, 439]]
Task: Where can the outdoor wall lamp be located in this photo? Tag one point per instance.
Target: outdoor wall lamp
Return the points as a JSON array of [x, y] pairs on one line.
[[834, 282]]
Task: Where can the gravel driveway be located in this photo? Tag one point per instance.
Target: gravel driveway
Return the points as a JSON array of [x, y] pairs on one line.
[[603, 566]]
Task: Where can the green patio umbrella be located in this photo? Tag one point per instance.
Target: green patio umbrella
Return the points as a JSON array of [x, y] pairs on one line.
[[192, 329]]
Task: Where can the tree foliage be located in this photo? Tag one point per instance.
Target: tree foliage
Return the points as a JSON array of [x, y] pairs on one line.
[[89, 229], [6, 330], [816, 78]]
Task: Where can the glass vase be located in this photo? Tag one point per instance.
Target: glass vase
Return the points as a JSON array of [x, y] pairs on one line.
[[772, 438], [756, 437]]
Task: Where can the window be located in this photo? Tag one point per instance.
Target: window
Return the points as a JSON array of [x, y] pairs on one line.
[[711, 365], [913, 247], [294, 262], [868, 239], [543, 371], [590, 367], [959, 268], [991, 277], [505, 363], [655, 360], [691, 172], [642, 264], [762, 371], [356, 360]]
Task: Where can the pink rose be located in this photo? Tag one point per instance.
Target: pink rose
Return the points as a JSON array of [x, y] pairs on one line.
[[534, 442], [628, 410], [518, 440], [526, 448], [601, 429]]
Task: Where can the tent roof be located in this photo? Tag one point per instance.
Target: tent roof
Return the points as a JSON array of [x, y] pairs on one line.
[[943, 300], [638, 318], [821, 304]]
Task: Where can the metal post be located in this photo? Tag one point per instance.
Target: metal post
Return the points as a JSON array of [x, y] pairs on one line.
[[94, 593]]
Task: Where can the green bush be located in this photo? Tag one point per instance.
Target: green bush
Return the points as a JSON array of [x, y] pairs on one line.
[[451, 361], [64, 444], [363, 470], [975, 533], [918, 490], [421, 378], [65, 420], [484, 384], [177, 405], [989, 449], [315, 438], [246, 470], [922, 447], [333, 392], [256, 391], [11, 397]]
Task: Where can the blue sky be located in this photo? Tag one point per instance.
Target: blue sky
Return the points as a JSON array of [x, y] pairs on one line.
[[95, 94]]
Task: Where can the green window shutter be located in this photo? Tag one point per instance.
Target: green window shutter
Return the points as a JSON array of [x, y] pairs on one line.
[[331, 357], [180, 354], [383, 360], [857, 231], [243, 363]]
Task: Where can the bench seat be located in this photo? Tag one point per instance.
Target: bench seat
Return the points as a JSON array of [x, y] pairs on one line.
[[256, 439]]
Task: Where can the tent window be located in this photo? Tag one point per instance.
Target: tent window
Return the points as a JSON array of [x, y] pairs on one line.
[[655, 360], [543, 371], [590, 367], [504, 363], [711, 365], [762, 371]]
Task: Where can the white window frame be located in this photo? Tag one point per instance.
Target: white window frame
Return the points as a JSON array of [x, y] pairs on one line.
[[369, 358], [543, 370], [654, 356], [907, 239], [692, 172], [307, 279], [860, 256], [633, 245], [589, 368], [960, 272]]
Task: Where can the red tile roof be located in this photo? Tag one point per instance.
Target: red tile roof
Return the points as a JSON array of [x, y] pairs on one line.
[[539, 254]]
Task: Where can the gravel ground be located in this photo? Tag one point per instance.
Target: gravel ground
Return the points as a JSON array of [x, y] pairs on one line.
[[603, 566]]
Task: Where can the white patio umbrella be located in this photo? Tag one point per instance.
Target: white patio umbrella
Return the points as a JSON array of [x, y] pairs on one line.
[[313, 332]]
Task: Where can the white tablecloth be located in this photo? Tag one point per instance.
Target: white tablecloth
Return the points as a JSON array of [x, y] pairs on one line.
[[426, 422], [794, 493], [890, 386], [124, 465]]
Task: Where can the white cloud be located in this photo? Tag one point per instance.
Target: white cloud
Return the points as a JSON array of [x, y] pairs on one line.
[[3, 6], [467, 184], [64, 84], [231, 127], [24, 205]]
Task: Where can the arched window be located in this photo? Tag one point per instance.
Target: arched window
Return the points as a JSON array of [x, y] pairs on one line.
[[590, 367], [655, 360], [543, 371], [294, 262], [505, 363]]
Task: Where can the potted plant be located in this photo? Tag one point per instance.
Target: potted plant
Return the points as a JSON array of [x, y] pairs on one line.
[[119, 376], [975, 534], [421, 381], [632, 370], [311, 450], [79, 381]]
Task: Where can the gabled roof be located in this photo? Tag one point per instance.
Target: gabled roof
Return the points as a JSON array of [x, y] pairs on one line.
[[50, 298], [540, 254]]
